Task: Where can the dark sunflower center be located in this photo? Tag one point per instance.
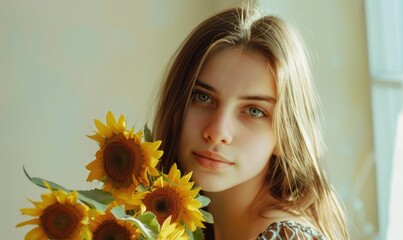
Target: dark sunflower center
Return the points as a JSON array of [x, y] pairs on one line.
[[59, 221], [111, 230], [119, 160], [163, 202]]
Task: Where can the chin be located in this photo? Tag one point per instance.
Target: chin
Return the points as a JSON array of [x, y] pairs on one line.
[[209, 184], [213, 189]]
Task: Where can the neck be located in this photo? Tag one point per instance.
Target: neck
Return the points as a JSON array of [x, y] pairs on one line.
[[240, 208]]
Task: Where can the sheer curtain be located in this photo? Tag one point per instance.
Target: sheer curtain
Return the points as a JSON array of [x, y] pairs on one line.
[[396, 186], [385, 47]]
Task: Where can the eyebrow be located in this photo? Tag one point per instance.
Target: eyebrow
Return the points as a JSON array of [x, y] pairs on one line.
[[266, 98], [205, 86]]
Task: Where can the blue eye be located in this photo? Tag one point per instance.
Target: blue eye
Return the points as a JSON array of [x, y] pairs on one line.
[[201, 97], [255, 112]]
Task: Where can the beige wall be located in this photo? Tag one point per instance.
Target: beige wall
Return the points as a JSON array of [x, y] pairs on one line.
[[63, 63]]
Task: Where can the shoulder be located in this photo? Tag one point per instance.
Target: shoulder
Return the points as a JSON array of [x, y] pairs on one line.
[[290, 230]]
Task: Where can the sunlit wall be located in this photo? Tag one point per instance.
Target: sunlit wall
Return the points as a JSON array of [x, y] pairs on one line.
[[64, 63]]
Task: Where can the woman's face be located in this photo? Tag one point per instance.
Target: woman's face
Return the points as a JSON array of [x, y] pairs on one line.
[[227, 137]]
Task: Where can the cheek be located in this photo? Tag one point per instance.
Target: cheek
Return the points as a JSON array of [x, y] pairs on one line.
[[188, 134], [258, 146], [189, 125], [192, 124]]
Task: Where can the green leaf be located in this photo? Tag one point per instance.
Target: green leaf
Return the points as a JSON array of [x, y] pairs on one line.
[[96, 198], [207, 216], [41, 182], [147, 222], [203, 200], [148, 137], [93, 198], [142, 188], [97, 195], [189, 233], [119, 211], [196, 234], [151, 220]]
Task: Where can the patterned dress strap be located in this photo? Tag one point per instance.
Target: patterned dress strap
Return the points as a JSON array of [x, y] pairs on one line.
[[290, 230]]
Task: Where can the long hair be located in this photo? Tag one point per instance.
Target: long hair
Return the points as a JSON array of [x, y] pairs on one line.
[[295, 177]]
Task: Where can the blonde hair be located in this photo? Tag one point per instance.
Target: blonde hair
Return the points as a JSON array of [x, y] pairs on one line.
[[295, 177]]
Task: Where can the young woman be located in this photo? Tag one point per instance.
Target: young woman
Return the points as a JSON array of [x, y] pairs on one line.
[[239, 110]]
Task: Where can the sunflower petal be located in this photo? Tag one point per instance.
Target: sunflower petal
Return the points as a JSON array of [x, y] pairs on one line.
[[97, 137], [111, 122], [121, 123], [37, 234], [58, 201], [31, 211], [96, 168], [31, 221], [103, 130]]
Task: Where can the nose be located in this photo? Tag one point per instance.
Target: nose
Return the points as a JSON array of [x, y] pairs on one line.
[[218, 128]]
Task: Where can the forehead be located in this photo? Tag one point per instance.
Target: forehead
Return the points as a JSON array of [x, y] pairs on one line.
[[239, 70]]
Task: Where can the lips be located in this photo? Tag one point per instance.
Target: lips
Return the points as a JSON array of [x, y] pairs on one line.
[[211, 160]]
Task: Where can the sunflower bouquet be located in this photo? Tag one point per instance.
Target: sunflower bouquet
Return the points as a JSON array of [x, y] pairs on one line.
[[136, 201]]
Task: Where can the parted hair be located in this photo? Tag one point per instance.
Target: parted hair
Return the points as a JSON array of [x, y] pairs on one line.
[[295, 177]]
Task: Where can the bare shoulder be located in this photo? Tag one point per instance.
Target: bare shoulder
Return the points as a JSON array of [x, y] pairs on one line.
[[290, 230]]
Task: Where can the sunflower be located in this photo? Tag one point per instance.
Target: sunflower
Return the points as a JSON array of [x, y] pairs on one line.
[[172, 231], [107, 226], [58, 216], [174, 197], [123, 161]]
